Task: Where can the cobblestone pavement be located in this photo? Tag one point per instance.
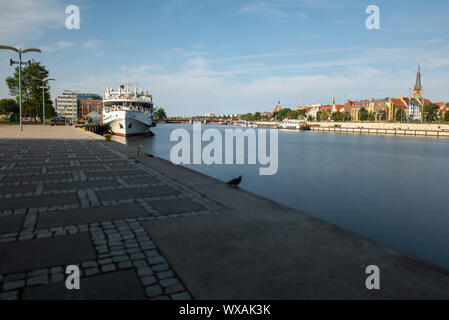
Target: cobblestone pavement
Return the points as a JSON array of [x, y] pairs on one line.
[[66, 201]]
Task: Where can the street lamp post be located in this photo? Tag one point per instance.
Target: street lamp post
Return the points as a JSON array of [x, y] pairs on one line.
[[44, 81], [11, 62]]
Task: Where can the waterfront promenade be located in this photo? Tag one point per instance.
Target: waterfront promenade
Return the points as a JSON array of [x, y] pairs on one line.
[[142, 228]]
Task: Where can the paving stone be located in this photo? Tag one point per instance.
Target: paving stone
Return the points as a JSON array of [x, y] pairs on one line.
[[13, 285], [108, 268], [87, 215], [39, 201], [118, 252], [140, 263], [133, 193], [160, 267], [91, 271], [175, 288], [168, 282], [80, 184], [39, 272], [61, 250], [178, 206], [151, 253], [9, 295], [148, 280], [136, 256], [37, 178], [16, 189], [144, 271], [115, 173], [56, 277], [89, 264], [157, 260], [37, 280], [181, 296], [153, 291], [125, 264], [132, 250], [56, 270], [15, 276], [120, 258], [119, 285]]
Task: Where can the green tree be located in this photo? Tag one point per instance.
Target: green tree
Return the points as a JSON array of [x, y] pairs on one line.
[[446, 116], [31, 90], [338, 116], [248, 117], [431, 112], [310, 118], [8, 106], [302, 114], [382, 115], [284, 113], [400, 115], [371, 117], [281, 115], [257, 116], [159, 114], [363, 114]]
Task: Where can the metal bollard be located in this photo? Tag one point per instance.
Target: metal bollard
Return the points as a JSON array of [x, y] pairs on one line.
[[141, 147]]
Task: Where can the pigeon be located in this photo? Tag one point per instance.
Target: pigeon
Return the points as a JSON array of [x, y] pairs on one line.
[[235, 182]]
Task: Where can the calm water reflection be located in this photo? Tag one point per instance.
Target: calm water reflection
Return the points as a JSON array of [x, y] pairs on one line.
[[391, 189]]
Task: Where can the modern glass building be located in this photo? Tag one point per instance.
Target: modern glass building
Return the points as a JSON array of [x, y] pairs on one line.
[[69, 105]]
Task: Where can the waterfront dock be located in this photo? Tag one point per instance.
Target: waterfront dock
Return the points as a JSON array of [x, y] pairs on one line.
[[384, 131], [142, 228]]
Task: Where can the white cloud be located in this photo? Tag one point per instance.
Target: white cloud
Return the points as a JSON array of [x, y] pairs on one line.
[[92, 44], [28, 19], [182, 53], [57, 46]]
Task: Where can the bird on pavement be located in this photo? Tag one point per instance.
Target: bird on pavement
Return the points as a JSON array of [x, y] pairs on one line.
[[235, 182]]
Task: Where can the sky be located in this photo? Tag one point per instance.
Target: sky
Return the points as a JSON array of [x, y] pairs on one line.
[[234, 56]]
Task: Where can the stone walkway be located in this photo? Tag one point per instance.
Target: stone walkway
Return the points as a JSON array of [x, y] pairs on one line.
[[142, 228], [76, 201]]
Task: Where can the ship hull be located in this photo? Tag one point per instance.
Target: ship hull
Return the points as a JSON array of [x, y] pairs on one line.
[[128, 123]]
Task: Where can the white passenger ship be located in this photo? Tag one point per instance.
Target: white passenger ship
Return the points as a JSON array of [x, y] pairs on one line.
[[128, 113]]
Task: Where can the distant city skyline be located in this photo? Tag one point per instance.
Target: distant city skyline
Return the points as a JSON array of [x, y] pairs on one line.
[[226, 57]]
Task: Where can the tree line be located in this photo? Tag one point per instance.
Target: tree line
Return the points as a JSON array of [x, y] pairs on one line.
[[32, 76], [431, 113]]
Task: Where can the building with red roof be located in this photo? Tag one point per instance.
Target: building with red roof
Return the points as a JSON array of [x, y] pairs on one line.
[[277, 109]]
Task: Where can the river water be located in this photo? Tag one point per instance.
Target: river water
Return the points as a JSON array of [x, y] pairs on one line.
[[391, 189]]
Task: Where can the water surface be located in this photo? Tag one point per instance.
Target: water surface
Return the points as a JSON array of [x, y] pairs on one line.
[[391, 189]]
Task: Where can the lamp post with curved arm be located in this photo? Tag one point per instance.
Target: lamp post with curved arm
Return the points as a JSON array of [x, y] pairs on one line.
[[11, 62]]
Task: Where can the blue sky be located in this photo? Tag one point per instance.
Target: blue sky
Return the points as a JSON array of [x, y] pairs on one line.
[[226, 56]]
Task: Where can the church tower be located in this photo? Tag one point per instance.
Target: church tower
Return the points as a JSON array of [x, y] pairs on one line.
[[417, 90]]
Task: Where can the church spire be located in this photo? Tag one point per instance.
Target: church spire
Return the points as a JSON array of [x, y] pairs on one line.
[[417, 90]]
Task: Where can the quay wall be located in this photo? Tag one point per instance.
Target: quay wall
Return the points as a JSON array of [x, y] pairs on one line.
[[384, 125]]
